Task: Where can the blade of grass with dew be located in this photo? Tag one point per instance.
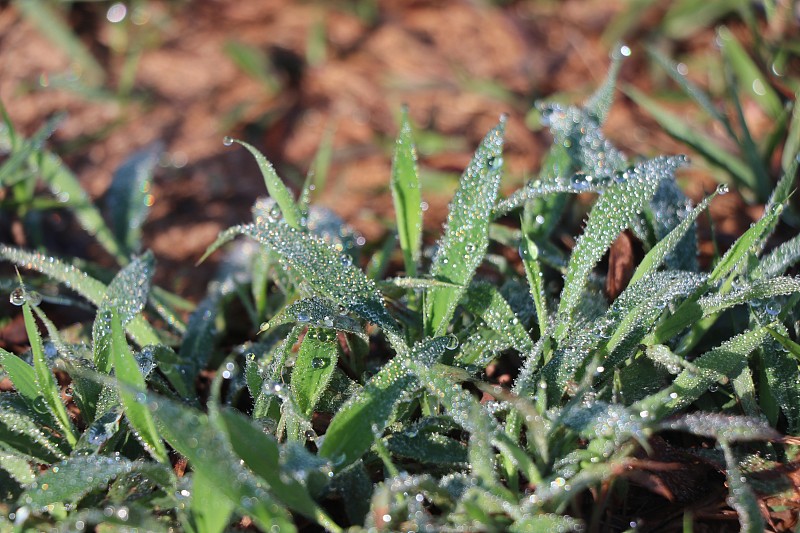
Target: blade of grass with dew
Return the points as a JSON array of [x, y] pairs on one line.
[[791, 148], [726, 360], [262, 455], [78, 281], [406, 196], [126, 295], [325, 270], [208, 512], [23, 433], [738, 169], [22, 376], [614, 212], [316, 361], [529, 253], [484, 300], [126, 370], [46, 383], [352, 430], [316, 312], [276, 188], [208, 451], [22, 152], [129, 197], [17, 467], [466, 236], [72, 479], [742, 497]]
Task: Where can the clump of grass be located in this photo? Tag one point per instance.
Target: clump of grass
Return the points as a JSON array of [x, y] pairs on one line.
[[368, 402]]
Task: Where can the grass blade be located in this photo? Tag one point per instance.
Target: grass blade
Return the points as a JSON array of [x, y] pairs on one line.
[[466, 237], [127, 371], [276, 188], [742, 497], [314, 367], [407, 197]]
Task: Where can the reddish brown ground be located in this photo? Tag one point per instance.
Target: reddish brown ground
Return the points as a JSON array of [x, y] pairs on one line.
[[458, 64]]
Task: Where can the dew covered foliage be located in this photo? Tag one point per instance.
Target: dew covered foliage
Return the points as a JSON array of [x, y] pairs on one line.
[[370, 402]]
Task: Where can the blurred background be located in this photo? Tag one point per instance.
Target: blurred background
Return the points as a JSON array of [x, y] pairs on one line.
[[319, 85]]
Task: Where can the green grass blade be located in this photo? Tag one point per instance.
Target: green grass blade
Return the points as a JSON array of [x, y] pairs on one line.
[[529, 253], [208, 450], [352, 431], [466, 237], [22, 376], [262, 455], [22, 152], [46, 383], [726, 360], [326, 271], [791, 148], [407, 197], [614, 212], [276, 188], [753, 237], [738, 169], [658, 253], [129, 197], [209, 512], [317, 312], [600, 102], [126, 370], [316, 361], [749, 74], [485, 301], [742, 497], [78, 281], [22, 431]]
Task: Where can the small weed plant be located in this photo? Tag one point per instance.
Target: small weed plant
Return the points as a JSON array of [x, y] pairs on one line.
[[370, 402]]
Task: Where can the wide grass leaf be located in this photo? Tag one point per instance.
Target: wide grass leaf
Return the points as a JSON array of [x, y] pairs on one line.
[[126, 370], [407, 197], [209, 513], [209, 452], [353, 430], [466, 235], [316, 361], [20, 430], [724, 427], [615, 211], [323, 269], [316, 312]]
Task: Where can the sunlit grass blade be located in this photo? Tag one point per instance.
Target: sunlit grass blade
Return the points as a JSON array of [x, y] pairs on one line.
[[208, 512], [352, 431], [407, 197], [208, 451], [326, 271], [78, 281], [658, 253], [129, 197], [791, 148], [20, 430], [22, 376], [276, 188], [780, 366], [72, 479], [314, 367], [262, 455], [315, 311], [704, 145], [126, 370], [614, 211], [529, 253], [45, 381], [726, 360], [742, 497], [600, 102], [466, 237], [485, 301]]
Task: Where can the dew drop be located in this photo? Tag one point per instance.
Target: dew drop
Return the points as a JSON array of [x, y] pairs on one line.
[[319, 362], [227, 141], [303, 317], [723, 188], [17, 296], [452, 342], [34, 298]]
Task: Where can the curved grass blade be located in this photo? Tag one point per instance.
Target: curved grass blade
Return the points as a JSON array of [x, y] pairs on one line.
[[742, 497], [466, 237], [783, 376], [726, 360], [352, 431], [485, 301], [129, 198], [78, 281], [20, 431], [599, 104], [72, 479], [276, 188], [406, 196], [614, 212], [724, 427], [45, 382], [663, 248], [127, 371], [316, 361], [325, 270], [22, 376], [529, 253], [778, 260], [21, 152], [17, 467], [209, 452], [261, 454], [317, 312]]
